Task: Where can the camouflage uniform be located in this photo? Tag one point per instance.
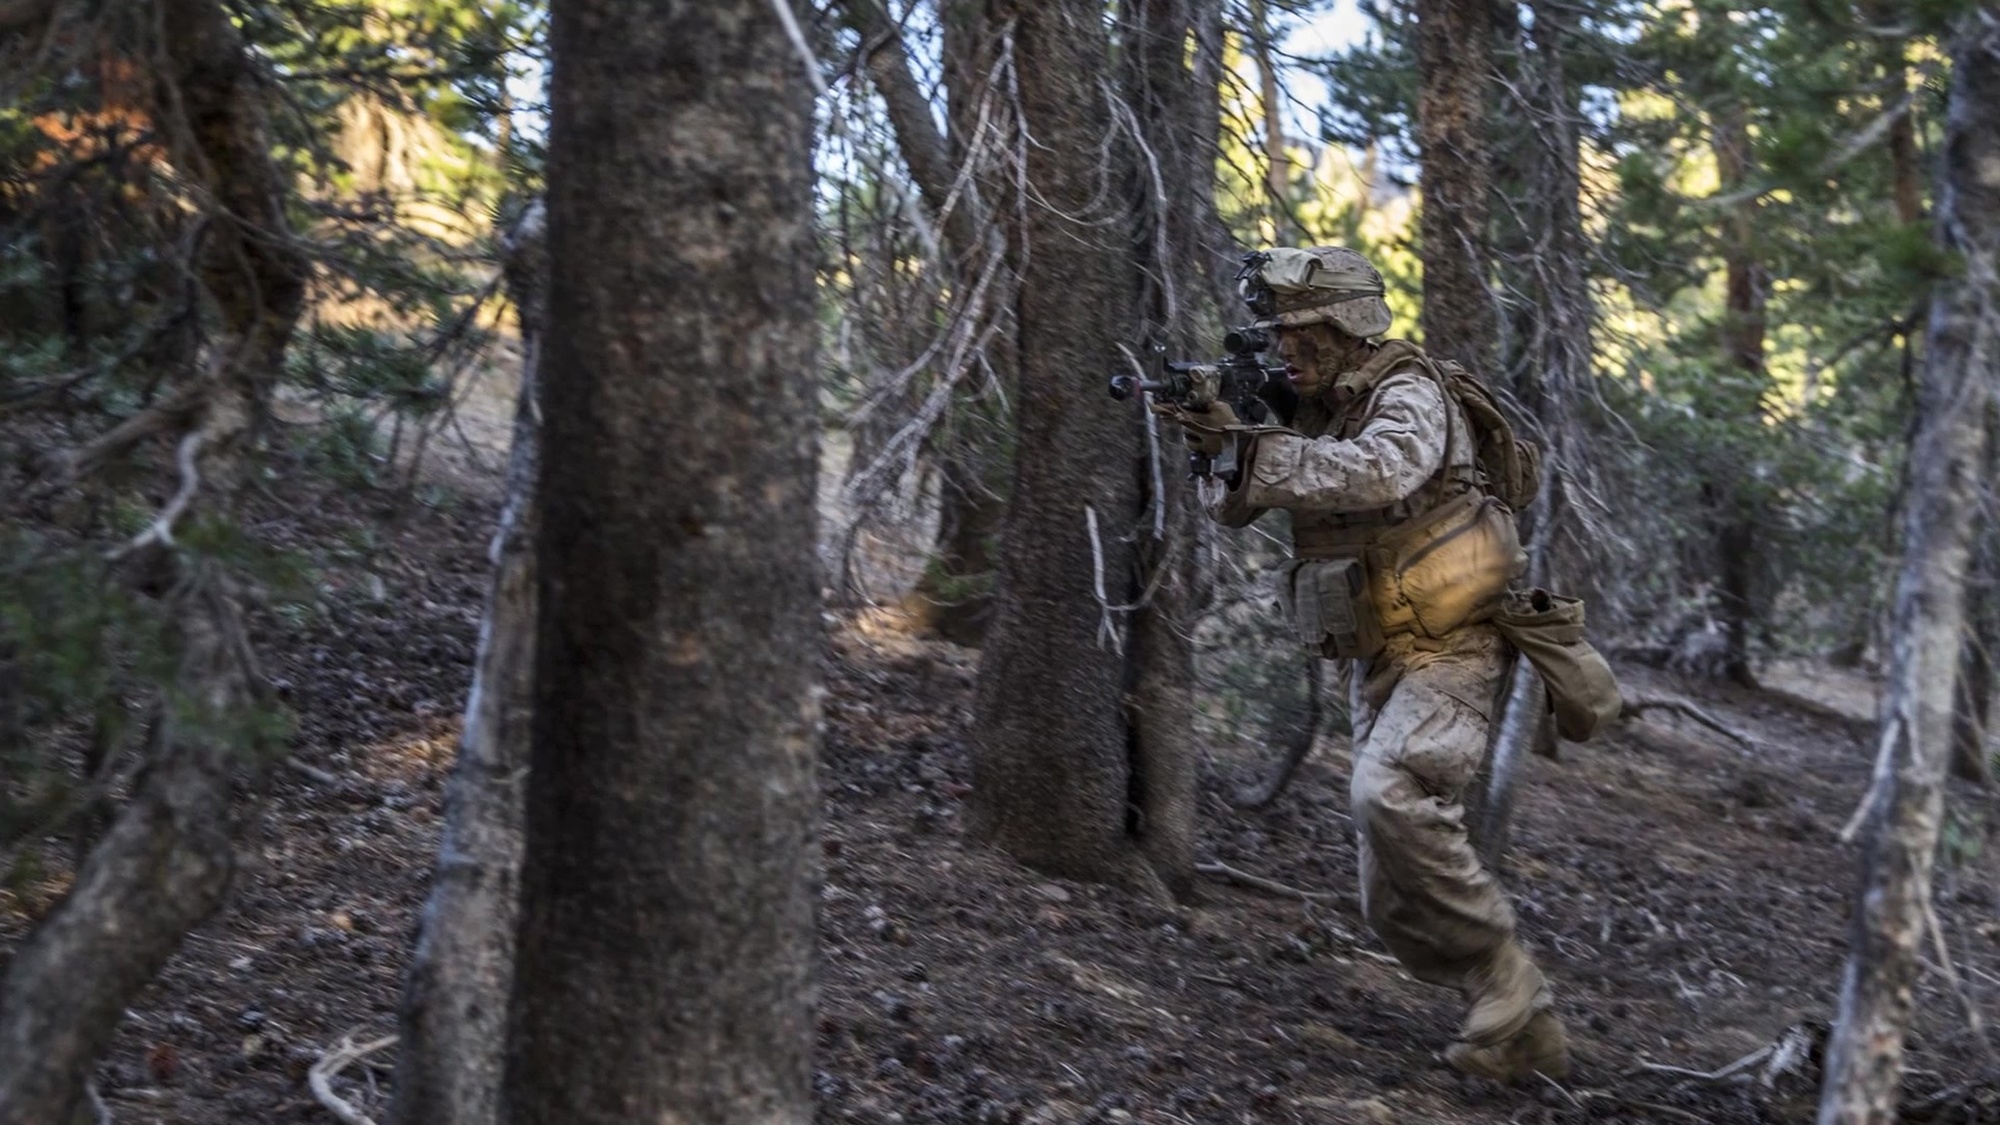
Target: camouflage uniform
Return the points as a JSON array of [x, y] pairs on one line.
[[1382, 447]]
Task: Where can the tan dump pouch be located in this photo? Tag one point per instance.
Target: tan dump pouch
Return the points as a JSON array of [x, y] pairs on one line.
[[1548, 630], [1450, 567], [1331, 608]]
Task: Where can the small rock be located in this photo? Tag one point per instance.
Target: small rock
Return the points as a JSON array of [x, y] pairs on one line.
[[893, 1005], [1053, 892], [1331, 1038], [1374, 1109]]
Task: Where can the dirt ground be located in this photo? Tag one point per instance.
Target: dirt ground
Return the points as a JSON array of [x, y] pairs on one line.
[[1687, 895]]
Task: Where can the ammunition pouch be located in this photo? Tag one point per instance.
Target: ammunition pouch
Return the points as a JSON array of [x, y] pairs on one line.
[[1548, 630], [1332, 608]]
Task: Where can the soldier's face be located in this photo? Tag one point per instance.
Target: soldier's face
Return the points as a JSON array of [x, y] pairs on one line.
[[1299, 349]]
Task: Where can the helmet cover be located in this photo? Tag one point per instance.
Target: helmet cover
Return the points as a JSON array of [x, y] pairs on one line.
[[1289, 287]]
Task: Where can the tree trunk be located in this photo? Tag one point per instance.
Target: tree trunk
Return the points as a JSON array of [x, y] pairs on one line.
[[1065, 770], [1277, 164], [1864, 1066], [953, 598], [1747, 287], [165, 864], [925, 149], [1455, 83], [162, 869], [1972, 703], [667, 890], [1174, 98], [454, 1015]]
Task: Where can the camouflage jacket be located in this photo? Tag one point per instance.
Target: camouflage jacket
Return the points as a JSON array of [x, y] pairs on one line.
[[1367, 454]]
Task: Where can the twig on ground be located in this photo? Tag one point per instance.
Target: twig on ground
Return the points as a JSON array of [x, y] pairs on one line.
[[1560, 1089], [1634, 706], [1742, 1064], [320, 1077], [1258, 882], [1655, 1107], [313, 772], [1973, 1019]]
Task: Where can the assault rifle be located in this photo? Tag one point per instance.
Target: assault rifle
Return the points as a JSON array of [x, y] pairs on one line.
[[1251, 388]]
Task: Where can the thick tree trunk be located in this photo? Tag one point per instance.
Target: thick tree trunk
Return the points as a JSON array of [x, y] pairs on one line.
[[1174, 98], [161, 870], [1455, 83], [1864, 1059], [663, 971], [454, 1015], [1065, 777]]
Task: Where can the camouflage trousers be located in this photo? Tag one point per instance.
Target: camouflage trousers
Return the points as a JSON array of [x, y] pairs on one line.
[[1422, 713]]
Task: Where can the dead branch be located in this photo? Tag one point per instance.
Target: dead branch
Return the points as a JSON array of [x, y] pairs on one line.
[[1973, 1020], [1717, 1075], [1259, 883], [312, 772], [1636, 705], [320, 1077], [161, 530], [175, 410]]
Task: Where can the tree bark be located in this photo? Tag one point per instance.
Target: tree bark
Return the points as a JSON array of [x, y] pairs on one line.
[[666, 938], [924, 147], [1864, 1064], [163, 868], [1455, 83], [1174, 99], [1277, 164], [953, 598], [1071, 774], [454, 1014], [165, 864], [1550, 363], [1972, 703], [1747, 287]]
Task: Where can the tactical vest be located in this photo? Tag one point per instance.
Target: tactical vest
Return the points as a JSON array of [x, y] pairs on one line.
[[1433, 562]]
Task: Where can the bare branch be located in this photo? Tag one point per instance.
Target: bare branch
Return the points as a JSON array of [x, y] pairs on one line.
[[320, 1077]]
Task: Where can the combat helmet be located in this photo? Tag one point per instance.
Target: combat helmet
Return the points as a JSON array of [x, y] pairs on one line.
[[1287, 287]]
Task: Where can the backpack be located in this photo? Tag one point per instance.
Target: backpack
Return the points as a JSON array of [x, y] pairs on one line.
[[1510, 464]]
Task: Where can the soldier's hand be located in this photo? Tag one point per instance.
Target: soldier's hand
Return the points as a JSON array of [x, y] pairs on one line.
[[1206, 431]]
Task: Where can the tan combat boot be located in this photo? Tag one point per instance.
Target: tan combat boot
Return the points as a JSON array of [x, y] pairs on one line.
[[1542, 1047], [1505, 993]]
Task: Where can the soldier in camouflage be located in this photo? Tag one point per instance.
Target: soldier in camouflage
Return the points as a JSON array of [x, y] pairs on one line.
[[1401, 555]]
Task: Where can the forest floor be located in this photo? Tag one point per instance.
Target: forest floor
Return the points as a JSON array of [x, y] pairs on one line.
[[1688, 897]]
